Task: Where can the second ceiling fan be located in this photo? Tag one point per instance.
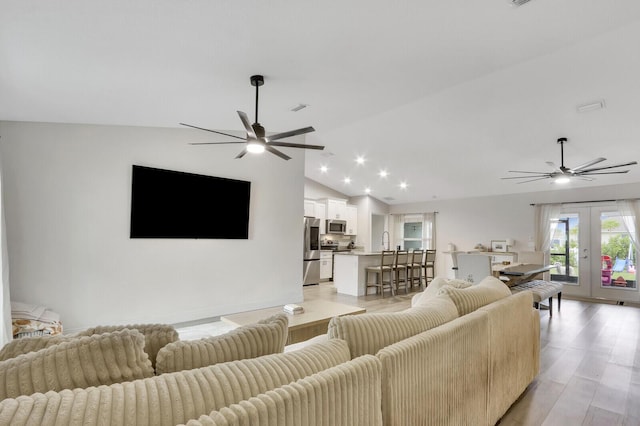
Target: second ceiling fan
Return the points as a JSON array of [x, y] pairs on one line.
[[256, 140], [563, 174]]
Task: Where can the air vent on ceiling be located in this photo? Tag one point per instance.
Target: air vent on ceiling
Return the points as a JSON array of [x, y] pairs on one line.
[[518, 2]]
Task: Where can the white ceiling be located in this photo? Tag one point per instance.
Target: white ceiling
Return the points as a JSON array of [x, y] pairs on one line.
[[444, 95]]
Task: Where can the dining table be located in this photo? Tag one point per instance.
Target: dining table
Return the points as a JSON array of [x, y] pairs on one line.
[[518, 273]]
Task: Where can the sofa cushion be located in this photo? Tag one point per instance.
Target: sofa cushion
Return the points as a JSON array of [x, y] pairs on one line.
[[469, 299], [345, 395], [368, 333], [156, 336], [173, 398], [79, 363], [263, 338], [434, 287]]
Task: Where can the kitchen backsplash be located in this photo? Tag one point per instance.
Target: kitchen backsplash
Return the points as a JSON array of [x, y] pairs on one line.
[[340, 239]]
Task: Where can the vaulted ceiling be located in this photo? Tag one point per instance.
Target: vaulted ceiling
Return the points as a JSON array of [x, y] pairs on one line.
[[445, 96]]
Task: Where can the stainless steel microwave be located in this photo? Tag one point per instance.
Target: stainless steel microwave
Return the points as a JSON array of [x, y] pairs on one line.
[[336, 226]]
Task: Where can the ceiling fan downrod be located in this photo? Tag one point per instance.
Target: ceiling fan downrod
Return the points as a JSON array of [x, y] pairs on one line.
[[257, 81], [561, 141]]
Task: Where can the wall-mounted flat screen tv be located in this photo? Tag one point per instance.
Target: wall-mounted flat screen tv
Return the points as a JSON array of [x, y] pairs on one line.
[[170, 204]]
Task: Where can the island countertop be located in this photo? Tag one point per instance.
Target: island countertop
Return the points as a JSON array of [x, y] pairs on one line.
[[360, 253]]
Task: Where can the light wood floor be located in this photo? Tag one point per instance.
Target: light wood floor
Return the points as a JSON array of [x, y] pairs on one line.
[[590, 362]]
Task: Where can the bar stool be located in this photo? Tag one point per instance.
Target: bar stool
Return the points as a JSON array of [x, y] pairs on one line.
[[387, 259], [401, 268], [415, 265], [429, 263]]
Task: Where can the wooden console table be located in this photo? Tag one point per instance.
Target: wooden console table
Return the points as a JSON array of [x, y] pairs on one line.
[[311, 323]]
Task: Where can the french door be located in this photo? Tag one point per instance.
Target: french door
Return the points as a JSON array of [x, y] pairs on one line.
[[593, 253]]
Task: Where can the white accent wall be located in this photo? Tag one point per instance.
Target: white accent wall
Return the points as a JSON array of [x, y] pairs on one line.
[[67, 193]]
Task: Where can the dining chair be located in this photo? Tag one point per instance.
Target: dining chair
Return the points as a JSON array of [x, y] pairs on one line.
[[429, 264], [401, 268], [383, 272], [414, 267], [473, 267]]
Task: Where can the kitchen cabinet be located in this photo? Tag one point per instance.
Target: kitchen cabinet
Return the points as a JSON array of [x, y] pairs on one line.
[[310, 208], [321, 213], [326, 264], [336, 209], [352, 220]]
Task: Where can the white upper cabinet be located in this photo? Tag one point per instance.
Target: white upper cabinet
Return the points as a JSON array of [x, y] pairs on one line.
[[321, 213], [336, 209], [310, 208], [352, 220]]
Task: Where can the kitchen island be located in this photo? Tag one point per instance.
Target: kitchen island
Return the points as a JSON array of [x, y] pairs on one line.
[[349, 273]]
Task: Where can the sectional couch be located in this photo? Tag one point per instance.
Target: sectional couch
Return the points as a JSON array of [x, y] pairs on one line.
[[458, 356]]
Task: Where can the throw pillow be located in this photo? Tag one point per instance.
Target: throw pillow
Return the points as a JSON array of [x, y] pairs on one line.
[[434, 287], [251, 341], [469, 299]]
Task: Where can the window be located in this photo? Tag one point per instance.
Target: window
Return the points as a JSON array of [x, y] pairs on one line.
[[414, 231]]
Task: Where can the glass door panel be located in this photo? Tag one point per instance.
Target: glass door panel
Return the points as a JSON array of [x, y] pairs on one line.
[[569, 251], [617, 257]]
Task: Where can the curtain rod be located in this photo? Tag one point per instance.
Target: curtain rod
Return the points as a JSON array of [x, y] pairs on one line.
[[583, 202], [416, 213]]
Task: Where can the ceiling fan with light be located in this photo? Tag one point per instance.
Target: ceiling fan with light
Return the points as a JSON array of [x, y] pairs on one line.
[[564, 174], [256, 140]]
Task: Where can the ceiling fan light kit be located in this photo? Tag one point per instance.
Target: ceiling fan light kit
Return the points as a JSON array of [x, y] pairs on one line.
[[564, 174], [256, 140]]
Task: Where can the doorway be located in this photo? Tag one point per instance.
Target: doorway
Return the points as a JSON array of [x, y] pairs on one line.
[[593, 253]]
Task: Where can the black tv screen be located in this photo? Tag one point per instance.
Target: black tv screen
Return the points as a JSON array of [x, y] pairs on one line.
[[170, 204]]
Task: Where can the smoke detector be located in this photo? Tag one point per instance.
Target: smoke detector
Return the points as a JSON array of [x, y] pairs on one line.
[[518, 2]]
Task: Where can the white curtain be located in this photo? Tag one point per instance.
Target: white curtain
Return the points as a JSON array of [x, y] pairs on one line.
[[542, 228], [5, 303], [396, 230], [630, 212]]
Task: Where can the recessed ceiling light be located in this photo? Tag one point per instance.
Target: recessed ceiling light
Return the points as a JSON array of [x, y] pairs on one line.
[[403, 185], [324, 169], [367, 190], [347, 180], [383, 173], [360, 159]]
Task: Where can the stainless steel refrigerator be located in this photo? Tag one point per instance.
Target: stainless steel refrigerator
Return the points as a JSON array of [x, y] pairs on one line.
[[311, 256]]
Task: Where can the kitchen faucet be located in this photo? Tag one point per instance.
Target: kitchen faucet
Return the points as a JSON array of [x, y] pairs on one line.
[[388, 240]]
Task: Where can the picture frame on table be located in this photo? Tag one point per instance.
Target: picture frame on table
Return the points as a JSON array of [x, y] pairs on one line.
[[499, 245]]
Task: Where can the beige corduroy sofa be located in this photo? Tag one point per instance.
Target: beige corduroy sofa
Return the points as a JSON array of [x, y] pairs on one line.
[[459, 356]]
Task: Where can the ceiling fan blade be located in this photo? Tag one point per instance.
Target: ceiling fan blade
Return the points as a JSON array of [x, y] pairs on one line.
[[214, 143], [242, 153], [582, 178], [603, 173], [247, 124], [522, 171], [590, 163], [608, 167], [212, 131], [290, 133], [296, 145], [276, 152], [542, 176], [533, 180]]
